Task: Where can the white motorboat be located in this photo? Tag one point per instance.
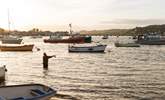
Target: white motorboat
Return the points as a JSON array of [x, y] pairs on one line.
[[93, 48], [127, 44]]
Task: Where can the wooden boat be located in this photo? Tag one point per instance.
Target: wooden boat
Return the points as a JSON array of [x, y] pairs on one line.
[[2, 73], [127, 45], [11, 40], [26, 92], [151, 39], [17, 47], [93, 48]]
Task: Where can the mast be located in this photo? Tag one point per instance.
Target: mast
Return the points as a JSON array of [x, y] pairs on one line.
[[8, 19]]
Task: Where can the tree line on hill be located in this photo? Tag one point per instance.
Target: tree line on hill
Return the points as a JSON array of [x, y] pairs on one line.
[[159, 29], [32, 32]]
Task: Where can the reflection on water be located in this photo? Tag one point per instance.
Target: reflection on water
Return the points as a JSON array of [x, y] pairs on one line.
[[121, 74]]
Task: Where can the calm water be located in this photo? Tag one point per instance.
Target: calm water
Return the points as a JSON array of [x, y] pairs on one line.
[[117, 74]]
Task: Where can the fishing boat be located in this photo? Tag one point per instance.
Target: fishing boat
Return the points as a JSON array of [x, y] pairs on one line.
[[11, 40], [22, 47], [2, 73], [26, 92], [65, 40], [151, 39], [127, 44], [73, 38], [82, 48]]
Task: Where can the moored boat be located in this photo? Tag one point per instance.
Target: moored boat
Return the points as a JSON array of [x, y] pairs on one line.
[[27, 47], [65, 40], [105, 37], [93, 48], [73, 38], [26, 92], [151, 39], [127, 45], [11, 40]]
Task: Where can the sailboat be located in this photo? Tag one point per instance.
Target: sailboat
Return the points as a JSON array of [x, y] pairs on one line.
[[10, 43], [11, 39]]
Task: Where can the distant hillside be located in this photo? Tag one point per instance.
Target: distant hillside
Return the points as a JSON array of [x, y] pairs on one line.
[[160, 29], [108, 32]]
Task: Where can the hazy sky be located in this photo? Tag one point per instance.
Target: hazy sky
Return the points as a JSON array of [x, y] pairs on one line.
[[83, 14]]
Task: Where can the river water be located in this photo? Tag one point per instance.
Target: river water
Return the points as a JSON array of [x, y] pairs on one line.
[[118, 74]]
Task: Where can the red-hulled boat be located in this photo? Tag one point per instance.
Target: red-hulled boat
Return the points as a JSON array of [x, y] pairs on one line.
[[66, 40], [72, 39]]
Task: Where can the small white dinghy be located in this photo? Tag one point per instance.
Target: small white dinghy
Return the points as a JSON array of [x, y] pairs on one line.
[[82, 48], [2, 73], [26, 92]]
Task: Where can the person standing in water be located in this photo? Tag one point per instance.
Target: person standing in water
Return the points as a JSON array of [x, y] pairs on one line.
[[45, 60]]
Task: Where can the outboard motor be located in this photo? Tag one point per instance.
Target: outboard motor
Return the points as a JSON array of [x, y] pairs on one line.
[[5, 68]]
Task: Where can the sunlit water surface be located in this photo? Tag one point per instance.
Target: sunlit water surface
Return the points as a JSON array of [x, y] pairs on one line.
[[117, 74]]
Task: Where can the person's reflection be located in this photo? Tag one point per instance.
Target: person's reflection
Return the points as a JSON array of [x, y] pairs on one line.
[[45, 73]]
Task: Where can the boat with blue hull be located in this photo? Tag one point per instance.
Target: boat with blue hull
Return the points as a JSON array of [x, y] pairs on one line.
[[26, 92]]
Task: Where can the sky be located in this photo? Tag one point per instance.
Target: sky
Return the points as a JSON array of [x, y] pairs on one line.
[[56, 15]]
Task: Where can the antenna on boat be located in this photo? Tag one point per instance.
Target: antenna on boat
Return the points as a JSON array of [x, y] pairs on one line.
[[70, 25]]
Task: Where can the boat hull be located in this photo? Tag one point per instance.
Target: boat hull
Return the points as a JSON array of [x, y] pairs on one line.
[[27, 92], [127, 45], [11, 41], [153, 42], [99, 48], [69, 40], [17, 48]]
